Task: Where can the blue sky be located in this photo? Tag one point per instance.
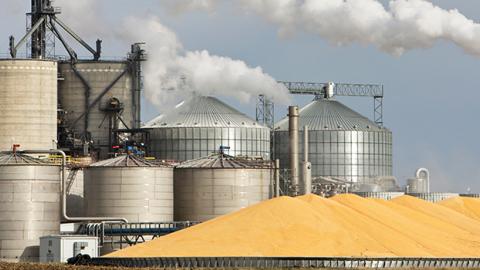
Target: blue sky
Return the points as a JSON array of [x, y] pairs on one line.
[[431, 94]]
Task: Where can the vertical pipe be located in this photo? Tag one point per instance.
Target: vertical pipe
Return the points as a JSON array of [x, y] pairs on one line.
[[306, 165], [293, 145], [277, 178]]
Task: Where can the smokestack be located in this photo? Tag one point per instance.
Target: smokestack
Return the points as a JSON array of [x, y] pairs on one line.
[[277, 178], [306, 165], [293, 141]]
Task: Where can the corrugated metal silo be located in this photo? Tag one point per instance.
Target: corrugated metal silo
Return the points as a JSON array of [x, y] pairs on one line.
[[129, 187], [198, 127], [209, 187], [342, 143], [29, 205], [28, 104], [75, 97]]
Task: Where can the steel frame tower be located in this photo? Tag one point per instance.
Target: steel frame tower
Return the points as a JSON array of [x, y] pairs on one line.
[[43, 21]]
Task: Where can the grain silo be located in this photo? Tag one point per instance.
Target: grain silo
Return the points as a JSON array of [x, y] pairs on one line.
[[30, 205], [28, 103], [202, 125], [212, 186], [342, 145], [97, 98], [129, 187]]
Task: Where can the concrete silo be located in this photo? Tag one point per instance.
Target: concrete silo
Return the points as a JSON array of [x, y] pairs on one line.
[[342, 145], [216, 185], [28, 104], [202, 125], [129, 187], [29, 205], [97, 98]]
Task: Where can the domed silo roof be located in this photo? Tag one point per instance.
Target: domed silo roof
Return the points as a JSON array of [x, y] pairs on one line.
[[203, 111], [21, 159], [202, 125], [343, 143], [222, 161], [330, 114], [125, 161]]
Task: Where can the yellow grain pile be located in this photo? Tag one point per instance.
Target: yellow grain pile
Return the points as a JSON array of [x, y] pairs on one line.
[[467, 206], [345, 225]]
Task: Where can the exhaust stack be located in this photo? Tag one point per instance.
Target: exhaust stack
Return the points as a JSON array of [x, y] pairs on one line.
[[306, 165], [293, 145]]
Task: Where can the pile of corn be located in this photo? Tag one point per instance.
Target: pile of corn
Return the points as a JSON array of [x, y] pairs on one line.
[[345, 225]]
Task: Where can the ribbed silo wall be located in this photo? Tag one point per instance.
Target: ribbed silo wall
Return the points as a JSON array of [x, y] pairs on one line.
[[73, 96], [357, 156], [29, 209], [202, 194], [186, 143], [136, 193], [28, 104]]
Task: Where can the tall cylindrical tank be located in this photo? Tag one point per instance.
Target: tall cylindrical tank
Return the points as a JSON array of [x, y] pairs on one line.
[[201, 125], [342, 143], [29, 205], [216, 185], [129, 187], [107, 114], [28, 104]]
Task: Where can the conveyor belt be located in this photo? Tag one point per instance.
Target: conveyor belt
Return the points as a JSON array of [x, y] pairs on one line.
[[287, 262]]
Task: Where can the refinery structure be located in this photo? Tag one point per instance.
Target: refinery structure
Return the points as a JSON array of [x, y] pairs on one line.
[[77, 162]]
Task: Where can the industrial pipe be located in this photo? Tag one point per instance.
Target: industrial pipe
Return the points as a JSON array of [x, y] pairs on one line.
[[306, 165], [293, 145], [427, 178], [63, 185], [277, 178]]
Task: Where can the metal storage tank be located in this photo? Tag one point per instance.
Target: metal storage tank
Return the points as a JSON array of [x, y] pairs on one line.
[[28, 104], [199, 126], [29, 205], [129, 187], [75, 194], [216, 185], [342, 143], [107, 113]]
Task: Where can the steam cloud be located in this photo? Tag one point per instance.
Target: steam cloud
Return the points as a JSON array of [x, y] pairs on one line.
[[172, 72], [401, 26]]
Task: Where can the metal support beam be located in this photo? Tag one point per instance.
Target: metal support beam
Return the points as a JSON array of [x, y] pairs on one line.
[[265, 113], [342, 89], [96, 53], [14, 48], [99, 97], [70, 51]]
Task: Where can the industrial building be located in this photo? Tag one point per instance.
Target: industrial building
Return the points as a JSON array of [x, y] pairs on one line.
[[76, 160], [200, 126]]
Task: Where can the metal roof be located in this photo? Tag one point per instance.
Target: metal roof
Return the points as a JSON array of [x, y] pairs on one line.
[[127, 161], [203, 111], [223, 161], [330, 114], [20, 159]]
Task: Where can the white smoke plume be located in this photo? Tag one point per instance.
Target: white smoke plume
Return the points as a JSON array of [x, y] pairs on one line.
[[399, 26], [179, 6], [172, 72]]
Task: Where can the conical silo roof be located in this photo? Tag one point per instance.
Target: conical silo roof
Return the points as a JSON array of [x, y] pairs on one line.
[[203, 111], [21, 159], [127, 161], [223, 161], [330, 114]]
